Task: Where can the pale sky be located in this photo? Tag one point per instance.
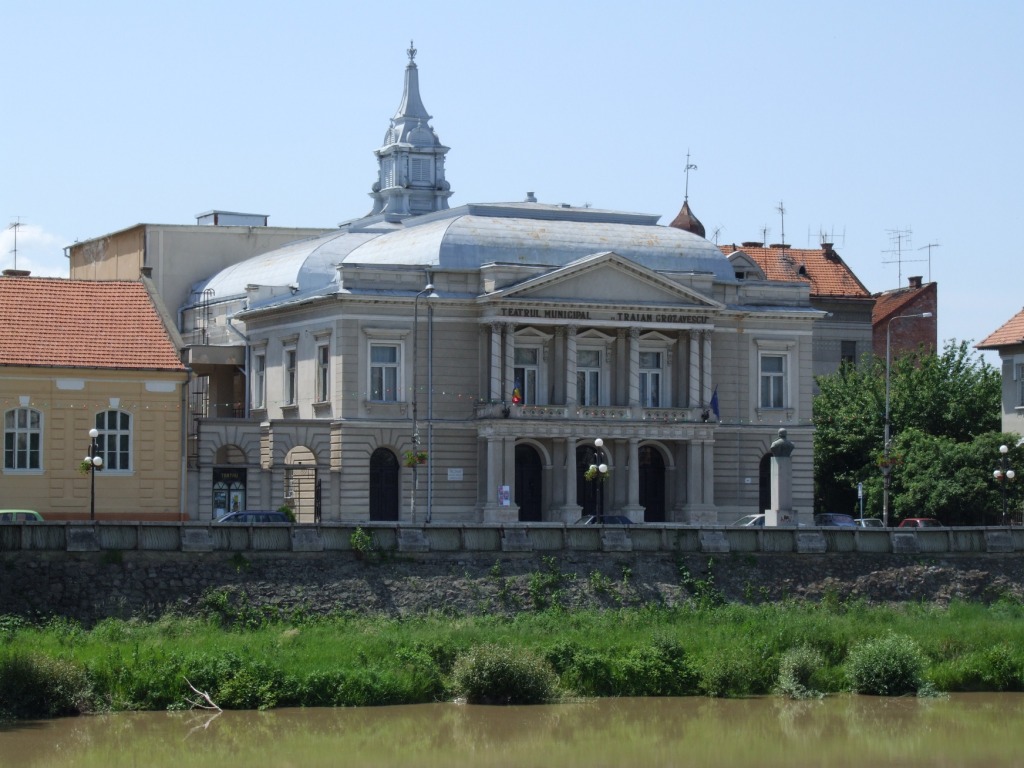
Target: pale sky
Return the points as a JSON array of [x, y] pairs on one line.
[[889, 126]]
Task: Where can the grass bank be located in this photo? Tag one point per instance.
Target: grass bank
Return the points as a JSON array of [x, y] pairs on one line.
[[254, 660]]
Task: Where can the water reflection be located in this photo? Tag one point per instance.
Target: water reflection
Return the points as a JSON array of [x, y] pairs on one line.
[[963, 730]]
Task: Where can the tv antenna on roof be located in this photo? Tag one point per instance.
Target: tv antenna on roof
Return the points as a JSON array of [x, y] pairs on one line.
[[900, 240], [716, 233], [782, 215], [929, 247], [15, 225], [824, 236]]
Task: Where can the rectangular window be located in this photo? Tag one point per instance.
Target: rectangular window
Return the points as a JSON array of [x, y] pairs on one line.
[[384, 372], [1020, 385], [323, 373], [526, 376], [114, 442], [848, 352], [22, 438], [650, 379], [773, 380], [290, 376], [588, 377], [259, 381]]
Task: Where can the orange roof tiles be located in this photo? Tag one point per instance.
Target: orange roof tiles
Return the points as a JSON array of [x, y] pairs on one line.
[[63, 323], [1008, 334], [823, 268]]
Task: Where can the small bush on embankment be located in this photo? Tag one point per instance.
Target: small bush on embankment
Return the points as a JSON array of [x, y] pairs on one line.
[[37, 686], [703, 648], [494, 674]]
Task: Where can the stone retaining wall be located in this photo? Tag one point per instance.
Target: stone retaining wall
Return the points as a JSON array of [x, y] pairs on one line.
[[92, 585]]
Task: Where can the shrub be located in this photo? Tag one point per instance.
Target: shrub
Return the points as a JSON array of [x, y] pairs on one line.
[[797, 671], [891, 665], [33, 686], [492, 674], [661, 669]]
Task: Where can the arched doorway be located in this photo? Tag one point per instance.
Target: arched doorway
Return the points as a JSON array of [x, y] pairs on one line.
[[383, 485], [652, 484], [529, 483], [764, 484]]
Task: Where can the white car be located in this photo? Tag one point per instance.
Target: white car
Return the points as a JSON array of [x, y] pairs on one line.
[[869, 522], [749, 521]]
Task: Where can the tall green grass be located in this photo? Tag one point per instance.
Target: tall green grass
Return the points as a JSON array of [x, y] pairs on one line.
[[706, 648]]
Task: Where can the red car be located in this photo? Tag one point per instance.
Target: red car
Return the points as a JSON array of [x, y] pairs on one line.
[[920, 522]]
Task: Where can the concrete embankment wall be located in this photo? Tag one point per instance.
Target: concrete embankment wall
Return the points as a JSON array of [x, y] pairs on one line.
[[101, 570]]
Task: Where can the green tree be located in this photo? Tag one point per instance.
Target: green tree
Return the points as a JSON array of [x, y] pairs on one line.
[[953, 395]]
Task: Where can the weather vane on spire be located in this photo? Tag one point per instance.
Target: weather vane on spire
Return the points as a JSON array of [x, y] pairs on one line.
[[689, 167], [411, 51]]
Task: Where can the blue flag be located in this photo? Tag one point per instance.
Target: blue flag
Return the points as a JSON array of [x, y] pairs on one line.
[[714, 405]]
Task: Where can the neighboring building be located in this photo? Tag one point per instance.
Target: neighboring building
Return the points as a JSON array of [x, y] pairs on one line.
[[176, 256], [552, 326], [843, 335], [77, 355], [1008, 341], [912, 334]]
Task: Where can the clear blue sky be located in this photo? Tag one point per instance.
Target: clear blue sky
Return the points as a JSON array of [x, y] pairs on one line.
[[862, 119]]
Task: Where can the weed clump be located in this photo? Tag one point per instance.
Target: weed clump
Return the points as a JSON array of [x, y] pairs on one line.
[[891, 665], [493, 674], [797, 670], [36, 686]]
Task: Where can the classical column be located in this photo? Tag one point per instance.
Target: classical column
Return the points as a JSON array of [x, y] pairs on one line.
[[510, 371], [495, 362], [634, 367], [693, 396], [633, 508], [570, 368], [706, 365], [571, 509]]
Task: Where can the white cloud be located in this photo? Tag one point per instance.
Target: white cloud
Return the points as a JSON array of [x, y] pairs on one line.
[[40, 252]]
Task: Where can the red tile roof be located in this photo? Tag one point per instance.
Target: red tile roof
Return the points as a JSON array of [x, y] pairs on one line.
[[823, 268], [1008, 334], [62, 323]]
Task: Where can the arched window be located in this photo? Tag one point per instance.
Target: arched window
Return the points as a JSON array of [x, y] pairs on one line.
[[114, 442], [23, 436]]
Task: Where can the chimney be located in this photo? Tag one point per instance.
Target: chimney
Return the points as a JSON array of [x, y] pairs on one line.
[[752, 244], [16, 273], [915, 281]]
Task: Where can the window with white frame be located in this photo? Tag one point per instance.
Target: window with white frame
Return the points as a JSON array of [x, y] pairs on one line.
[[588, 376], [290, 375], [526, 376], [650, 379], [323, 371], [385, 362], [114, 442], [773, 380], [259, 380], [23, 434]]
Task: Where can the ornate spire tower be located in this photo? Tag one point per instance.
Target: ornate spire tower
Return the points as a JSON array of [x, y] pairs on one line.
[[410, 176]]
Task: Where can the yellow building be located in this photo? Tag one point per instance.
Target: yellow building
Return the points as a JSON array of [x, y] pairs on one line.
[[78, 356]]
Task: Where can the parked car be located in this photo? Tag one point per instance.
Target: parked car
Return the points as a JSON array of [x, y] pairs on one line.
[[604, 520], [835, 520], [255, 516], [749, 521], [20, 516], [920, 522], [869, 522]]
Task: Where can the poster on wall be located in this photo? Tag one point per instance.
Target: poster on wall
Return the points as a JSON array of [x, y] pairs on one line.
[[504, 496]]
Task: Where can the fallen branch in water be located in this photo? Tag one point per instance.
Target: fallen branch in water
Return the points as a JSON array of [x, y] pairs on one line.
[[210, 704]]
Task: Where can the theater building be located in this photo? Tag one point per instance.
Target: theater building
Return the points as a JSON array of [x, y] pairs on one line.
[[432, 363]]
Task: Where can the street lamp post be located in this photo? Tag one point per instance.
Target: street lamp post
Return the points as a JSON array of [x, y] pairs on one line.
[[427, 292], [886, 466], [599, 471], [1004, 474], [95, 462]]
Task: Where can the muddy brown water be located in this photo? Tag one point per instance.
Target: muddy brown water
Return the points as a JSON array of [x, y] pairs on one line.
[[961, 730]]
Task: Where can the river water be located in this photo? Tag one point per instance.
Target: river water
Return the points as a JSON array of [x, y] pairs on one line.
[[961, 730]]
